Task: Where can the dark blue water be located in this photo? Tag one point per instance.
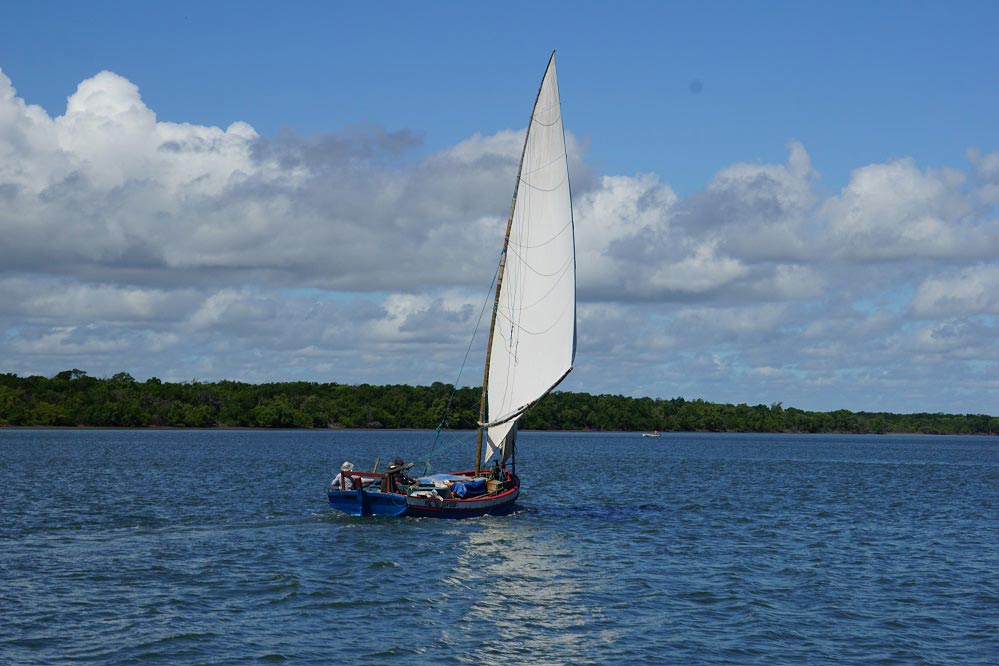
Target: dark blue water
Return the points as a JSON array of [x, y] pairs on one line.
[[218, 547]]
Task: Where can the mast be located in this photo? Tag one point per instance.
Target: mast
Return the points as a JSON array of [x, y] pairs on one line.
[[499, 273]]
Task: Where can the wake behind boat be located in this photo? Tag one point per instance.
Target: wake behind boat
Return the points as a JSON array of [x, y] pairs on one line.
[[531, 347]]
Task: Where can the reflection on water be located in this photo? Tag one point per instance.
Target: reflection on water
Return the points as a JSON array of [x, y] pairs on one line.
[[528, 595]]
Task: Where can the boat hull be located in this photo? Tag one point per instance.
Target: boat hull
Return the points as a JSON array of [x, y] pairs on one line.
[[373, 503], [367, 503], [496, 505]]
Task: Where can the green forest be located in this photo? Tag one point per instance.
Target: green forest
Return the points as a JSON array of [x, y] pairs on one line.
[[73, 398]]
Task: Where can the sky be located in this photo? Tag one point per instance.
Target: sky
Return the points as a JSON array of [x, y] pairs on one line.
[[774, 202]]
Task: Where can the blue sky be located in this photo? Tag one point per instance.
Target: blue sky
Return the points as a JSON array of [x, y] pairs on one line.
[[855, 82], [796, 200]]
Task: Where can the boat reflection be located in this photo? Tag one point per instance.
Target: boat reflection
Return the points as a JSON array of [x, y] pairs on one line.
[[527, 591]]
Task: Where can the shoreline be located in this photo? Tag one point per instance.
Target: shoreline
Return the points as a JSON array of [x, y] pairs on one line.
[[665, 434]]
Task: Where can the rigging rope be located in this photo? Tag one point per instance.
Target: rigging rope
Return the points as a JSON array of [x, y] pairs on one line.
[[454, 387]]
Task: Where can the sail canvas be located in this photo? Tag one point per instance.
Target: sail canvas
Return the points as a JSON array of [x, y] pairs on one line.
[[533, 342]]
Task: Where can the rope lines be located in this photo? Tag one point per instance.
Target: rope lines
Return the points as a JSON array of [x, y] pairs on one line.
[[454, 387]]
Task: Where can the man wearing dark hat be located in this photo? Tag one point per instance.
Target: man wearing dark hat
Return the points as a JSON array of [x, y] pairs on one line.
[[397, 474]]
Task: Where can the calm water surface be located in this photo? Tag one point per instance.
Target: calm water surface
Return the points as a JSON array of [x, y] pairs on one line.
[[218, 547]]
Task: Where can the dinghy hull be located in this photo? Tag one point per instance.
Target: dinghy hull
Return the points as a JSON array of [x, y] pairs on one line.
[[367, 503]]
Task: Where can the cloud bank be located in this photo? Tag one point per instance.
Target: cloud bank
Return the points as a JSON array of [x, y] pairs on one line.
[[184, 251]]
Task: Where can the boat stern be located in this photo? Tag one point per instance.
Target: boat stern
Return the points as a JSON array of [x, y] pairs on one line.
[[367, 503]]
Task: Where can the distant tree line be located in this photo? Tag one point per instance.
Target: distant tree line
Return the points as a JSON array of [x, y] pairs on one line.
[[73, 398]]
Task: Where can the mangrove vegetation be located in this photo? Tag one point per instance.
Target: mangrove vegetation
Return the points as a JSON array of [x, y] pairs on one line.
[[73, 398]]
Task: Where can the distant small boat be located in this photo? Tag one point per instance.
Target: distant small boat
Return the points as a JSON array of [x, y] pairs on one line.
[[654, 433]]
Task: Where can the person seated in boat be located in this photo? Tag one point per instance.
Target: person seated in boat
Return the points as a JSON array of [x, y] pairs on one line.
[[496, 473], [397, 474], [343, 480]]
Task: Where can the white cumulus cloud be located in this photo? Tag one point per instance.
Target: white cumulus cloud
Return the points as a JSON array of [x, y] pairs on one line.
[[182, 250]]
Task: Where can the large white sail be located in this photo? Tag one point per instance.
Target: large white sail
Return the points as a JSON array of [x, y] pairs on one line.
[[534, 339]]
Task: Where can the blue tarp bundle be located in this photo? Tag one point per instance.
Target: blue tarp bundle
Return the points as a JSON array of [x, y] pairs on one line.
[[469, 488]]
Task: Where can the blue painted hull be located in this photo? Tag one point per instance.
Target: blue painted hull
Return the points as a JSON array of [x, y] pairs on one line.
[[366, 503]]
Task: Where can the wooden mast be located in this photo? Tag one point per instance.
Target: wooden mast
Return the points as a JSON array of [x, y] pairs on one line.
[[499, 274]]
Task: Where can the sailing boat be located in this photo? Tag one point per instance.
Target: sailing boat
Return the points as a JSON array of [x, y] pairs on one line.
[[532, 338]]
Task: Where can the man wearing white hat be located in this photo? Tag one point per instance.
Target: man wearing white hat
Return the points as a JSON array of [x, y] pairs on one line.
[[342, 481]]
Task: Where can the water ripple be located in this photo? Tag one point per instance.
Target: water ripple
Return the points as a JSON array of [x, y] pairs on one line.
[[127, 546]]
